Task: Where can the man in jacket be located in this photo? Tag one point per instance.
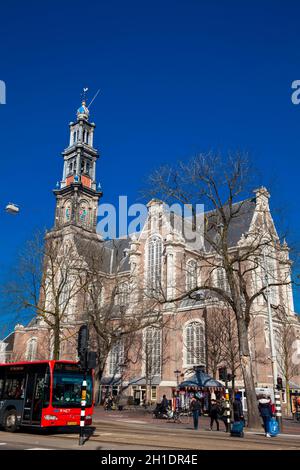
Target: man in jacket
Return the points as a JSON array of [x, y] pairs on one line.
[[164, 404], [265, 409], [238, 414], [214, 413], [195, 408]]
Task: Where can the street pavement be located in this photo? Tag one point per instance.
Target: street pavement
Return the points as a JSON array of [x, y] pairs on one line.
[[140, 416], [139, 431]]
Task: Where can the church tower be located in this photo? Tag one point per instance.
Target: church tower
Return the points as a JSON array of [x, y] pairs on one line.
[[77, 196]]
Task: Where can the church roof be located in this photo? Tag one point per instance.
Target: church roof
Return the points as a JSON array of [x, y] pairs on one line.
[[109, 256], [239, 224]]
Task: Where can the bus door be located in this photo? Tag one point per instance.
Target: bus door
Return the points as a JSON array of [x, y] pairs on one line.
[[33, 398]]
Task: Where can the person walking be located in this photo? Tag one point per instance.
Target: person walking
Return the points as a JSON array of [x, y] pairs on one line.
[[223, 416], [265, 410], [214, 414], [195, 408], [164, 404]]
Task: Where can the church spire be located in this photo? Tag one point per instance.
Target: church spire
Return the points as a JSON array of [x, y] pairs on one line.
[[78, 187]]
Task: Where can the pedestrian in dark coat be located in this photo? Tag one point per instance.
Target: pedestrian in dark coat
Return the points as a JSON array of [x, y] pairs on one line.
[[214, 414], [238, 414], [265, 409], [164, 404], [195, 408], [223, 415]]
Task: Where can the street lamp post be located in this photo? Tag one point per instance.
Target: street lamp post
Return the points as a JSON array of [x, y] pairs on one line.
[[177, 372], [272, 348]]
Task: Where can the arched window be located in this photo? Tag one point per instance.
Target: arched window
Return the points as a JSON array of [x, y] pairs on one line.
[[123, 294], [271, 274], [154, 263], [152, 352], [194, 344], [222, 282], [116, 359], [74, 137], [191, 275], [31, 349]]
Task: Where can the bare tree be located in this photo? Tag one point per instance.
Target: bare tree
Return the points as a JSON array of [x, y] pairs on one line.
[[215, 333], [48, 280], [220, 183], [118, 310]]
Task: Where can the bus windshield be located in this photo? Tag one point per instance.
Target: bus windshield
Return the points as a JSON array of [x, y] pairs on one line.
[[67, 388]]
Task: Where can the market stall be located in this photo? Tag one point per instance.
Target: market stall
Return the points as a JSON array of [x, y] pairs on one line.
[[203, 385]]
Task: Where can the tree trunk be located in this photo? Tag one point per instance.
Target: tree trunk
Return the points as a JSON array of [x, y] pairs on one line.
[[254, 420], [287, 392], [97, 383], [56, 345]]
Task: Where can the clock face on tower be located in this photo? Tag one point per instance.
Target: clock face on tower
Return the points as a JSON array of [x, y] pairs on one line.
[[67, 214], [83, 213]]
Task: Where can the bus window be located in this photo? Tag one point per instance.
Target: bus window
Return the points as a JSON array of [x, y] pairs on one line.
[[67, 390], [1, 387], [13, 388]]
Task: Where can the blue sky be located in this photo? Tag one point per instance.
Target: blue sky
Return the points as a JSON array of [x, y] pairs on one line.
[[176, 78]]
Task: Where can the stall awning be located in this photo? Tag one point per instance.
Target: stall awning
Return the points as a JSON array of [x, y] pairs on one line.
[[201, 380]]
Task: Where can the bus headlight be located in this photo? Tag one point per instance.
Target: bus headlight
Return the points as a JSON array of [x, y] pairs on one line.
[[50, 417]]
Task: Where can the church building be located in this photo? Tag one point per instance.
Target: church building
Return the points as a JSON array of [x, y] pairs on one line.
[[158, 255]]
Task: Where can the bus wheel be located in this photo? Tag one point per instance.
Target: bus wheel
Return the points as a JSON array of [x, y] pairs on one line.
[[10, 421]]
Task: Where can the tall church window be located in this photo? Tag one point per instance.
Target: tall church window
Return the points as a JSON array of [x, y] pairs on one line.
[[194, 344], [222, 282], [123, 294], [116, 358], [31, 349], [271, 273], [152, 351], [154, 263], [191, 275]]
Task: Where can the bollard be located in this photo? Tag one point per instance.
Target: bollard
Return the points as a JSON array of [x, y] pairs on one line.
[[278, 413], [227, 409], [82, 411]]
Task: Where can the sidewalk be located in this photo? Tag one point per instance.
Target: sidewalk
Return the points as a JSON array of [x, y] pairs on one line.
[[141, 416]]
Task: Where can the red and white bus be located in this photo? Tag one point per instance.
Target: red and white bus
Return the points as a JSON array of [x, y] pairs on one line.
[[43, 394]]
